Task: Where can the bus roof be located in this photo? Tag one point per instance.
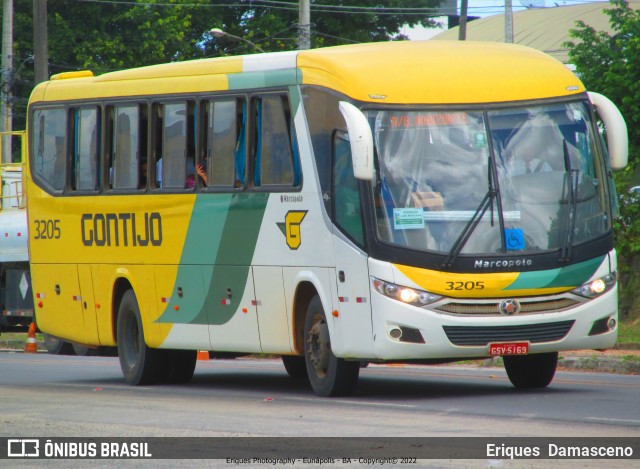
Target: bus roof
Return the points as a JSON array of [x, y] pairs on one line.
[[439, 72], [403, 72]]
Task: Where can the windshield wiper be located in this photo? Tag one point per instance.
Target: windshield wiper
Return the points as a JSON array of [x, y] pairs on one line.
[[571, 205], [493, 194]]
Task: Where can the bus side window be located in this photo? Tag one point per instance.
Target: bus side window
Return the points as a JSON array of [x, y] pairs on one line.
[[225, 156], [143, 153], [50, 147], [174, 148], [240, 152], [125, 147], [346, 195], [273, 158], [86, 144], [157, 120], [323, 116]]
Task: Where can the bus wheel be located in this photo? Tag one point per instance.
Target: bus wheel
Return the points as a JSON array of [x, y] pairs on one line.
[[531, 371], [179, 366], [140, 364], [328, 375], [56, 346], [296, 366]]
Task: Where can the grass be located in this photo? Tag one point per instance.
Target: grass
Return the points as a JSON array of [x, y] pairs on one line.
[[18, 336], [14, 336], [629, 332], [630, 359]]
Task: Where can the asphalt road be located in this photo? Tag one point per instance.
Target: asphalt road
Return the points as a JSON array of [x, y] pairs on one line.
[[65, 396]]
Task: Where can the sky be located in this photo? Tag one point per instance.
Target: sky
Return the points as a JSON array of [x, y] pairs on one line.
[[483, 8]]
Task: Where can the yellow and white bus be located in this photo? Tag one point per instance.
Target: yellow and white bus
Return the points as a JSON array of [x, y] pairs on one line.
[[416, 202]]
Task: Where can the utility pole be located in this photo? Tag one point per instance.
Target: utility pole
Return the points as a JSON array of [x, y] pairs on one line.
[[462, 28], [508, 21], [7, 79], [40, 41], [304, 25]]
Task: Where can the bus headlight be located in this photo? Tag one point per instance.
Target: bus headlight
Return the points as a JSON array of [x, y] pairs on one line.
[[404, 294], [596, 287]]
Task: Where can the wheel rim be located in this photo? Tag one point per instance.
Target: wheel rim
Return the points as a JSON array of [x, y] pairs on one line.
[[318, 346]]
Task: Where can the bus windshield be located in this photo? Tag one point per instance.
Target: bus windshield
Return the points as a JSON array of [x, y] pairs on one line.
[[513, 180]]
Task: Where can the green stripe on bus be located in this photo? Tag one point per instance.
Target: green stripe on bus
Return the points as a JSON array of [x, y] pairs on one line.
[[237, 248], [206, 227], [577, 274], [295, 98], [570, 276], [217, 254], [255, 80]]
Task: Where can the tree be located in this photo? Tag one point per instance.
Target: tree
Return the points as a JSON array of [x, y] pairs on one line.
[[610, 64], [106, 35], [273, 25]]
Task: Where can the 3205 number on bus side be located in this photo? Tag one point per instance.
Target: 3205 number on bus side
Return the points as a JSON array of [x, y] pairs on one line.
[[47, 229]]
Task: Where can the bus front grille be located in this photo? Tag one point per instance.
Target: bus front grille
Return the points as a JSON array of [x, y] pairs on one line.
[[491, 308], [533, 333]]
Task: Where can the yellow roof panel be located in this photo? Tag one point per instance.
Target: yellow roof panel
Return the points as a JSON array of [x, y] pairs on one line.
[[178, 69], [438, 72]]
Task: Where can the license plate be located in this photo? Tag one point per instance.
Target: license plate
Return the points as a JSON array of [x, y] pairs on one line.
[[509, 348]]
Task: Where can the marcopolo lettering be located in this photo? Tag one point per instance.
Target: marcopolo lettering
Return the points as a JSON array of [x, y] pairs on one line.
[[121, 229], [502, 263]]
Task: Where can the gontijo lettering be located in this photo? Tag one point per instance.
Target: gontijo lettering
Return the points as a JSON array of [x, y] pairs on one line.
[[121, 229]]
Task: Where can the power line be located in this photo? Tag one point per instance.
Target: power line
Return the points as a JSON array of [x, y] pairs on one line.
[[316, 33], [288, 6], [328, 8]]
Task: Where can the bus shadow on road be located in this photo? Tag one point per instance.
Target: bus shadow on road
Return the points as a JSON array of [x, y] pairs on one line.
[[438, 388], [427, 383]]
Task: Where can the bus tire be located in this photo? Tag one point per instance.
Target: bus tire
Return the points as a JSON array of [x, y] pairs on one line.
[[329, 376], [140, 364], [531, 371], [296, 366], [56, 346], [179, 366]]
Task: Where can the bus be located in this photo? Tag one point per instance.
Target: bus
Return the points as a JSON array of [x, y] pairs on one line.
[[403, 202]]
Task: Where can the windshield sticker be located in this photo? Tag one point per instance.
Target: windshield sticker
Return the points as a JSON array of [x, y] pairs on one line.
[[480, 140], [514, 238], [408, 218]]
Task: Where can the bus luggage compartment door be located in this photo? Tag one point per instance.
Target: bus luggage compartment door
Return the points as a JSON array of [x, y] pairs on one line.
[[354, 302], [58, 301], [273, 317], [231, 309]]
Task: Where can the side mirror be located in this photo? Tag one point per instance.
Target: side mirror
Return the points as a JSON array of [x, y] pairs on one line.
[[361, 141], [617, 137]]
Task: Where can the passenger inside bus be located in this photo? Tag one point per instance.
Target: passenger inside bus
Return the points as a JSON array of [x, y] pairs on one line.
[[143, 174], [527, 156], [190, 179], [201, 169], [544, 142]]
